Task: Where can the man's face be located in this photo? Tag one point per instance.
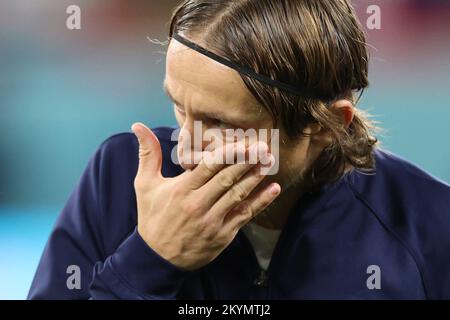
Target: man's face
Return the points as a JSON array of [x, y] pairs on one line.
[[207, 91]]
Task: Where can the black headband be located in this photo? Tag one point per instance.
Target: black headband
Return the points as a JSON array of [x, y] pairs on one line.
[[246, 71]]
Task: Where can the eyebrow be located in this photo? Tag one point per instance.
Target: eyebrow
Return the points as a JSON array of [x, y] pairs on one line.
[[211, 115]]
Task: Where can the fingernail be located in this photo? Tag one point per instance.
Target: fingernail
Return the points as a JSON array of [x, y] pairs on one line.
[[268, 161], [275, 189]]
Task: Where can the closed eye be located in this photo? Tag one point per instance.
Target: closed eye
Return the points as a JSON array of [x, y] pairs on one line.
[[221, 124]]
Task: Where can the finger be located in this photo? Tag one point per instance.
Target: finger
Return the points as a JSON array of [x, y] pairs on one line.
[[239, 191], [251, 207], [213, 162], [224, 180], [150, 155]]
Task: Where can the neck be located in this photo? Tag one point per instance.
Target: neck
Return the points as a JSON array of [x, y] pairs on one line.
[[275, 216]]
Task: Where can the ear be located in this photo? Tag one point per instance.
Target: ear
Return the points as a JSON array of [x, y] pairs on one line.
[[344, 109]]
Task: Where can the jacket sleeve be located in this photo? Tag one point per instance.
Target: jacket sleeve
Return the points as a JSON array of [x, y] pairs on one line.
[[78, 261]]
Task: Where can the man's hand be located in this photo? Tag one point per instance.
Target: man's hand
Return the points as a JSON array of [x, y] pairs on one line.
[[190, 219]]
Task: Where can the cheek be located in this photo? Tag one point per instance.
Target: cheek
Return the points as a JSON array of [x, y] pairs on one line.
[[294, 157], [293, 162]]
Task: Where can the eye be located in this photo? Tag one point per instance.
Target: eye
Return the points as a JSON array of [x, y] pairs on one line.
[[222, 125]]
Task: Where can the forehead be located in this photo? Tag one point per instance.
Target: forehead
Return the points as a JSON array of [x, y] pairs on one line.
[[199, 81]]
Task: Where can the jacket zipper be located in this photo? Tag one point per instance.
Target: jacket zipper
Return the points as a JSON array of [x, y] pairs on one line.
[[262, 276], [262, 280]]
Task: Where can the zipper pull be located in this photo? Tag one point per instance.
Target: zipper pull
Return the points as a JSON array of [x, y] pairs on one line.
[[261, 280]]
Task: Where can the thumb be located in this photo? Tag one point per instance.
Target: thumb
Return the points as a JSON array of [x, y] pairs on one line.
[[150, 155]]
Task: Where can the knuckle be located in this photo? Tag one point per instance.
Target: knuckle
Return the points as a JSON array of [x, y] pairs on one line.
[[202, 226], [210, 222], [238, 193], [246, 210], [226, 235], [225, 181], [210, 234], [210, 228], [144, 153], [192, 207], [139, 184], [177, 190], [222, 240], [208, 167], [244, 215]]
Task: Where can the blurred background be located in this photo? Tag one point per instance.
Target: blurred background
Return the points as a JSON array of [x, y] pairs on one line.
[[62, 92]]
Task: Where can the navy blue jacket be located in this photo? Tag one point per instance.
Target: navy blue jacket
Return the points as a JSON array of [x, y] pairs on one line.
[[397, 219]]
